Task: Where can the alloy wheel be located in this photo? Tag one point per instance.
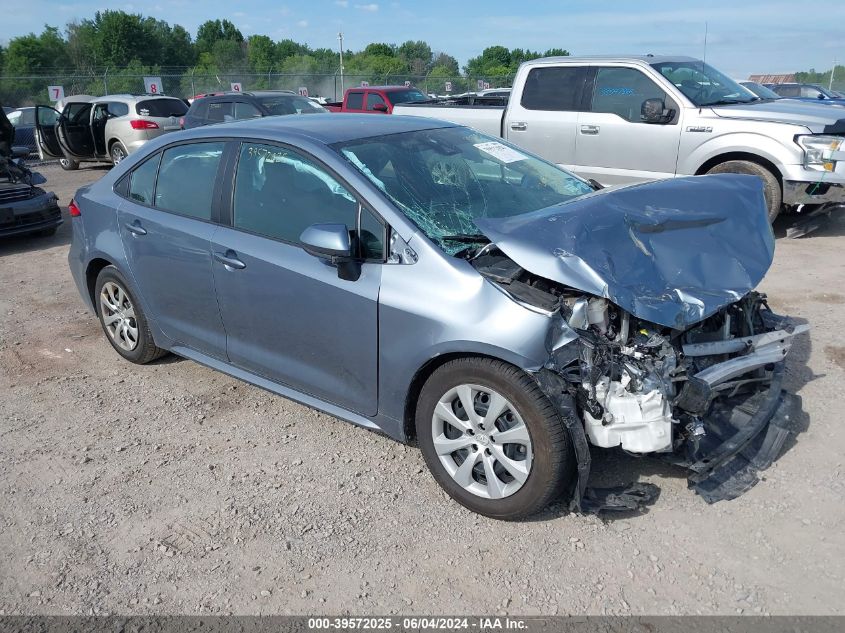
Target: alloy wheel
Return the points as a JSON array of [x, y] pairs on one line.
[[117, 154], [482, 441], [119, 316]]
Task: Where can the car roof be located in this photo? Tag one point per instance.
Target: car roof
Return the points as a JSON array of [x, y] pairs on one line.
[[327, 128], [385, 88], [645, 59]]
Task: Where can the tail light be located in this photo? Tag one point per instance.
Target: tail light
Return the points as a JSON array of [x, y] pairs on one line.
[[73, 208], [181, 123], [141, 124]]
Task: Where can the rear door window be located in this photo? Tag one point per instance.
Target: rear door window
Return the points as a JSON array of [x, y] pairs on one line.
[[186, 179], [220, 111], [355, 101], [161, 107], [116, 108], [142, 181], [245, 110], [556, 89]]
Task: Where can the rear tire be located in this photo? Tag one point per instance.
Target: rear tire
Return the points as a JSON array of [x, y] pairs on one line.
[[541, 446], [117, 152], [771, 185], [123, 319], [69, 164]]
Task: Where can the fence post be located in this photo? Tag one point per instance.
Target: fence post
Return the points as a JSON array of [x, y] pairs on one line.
[[105, 81], [193, 90]]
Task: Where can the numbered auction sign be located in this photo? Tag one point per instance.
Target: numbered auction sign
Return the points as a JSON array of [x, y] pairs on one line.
[[364, 84], [480, 84], [236, 86], [448, 86], [407, 84], [303, 91], [152, 85], [486, 85], [56, 92]]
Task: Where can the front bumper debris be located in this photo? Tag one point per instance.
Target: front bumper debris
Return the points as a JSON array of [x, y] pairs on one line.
[[745, 434], [797, 192]]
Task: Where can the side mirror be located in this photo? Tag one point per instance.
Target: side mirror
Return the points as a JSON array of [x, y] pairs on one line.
[[654, 111], [327, 241], [331, 241], [380, 107]]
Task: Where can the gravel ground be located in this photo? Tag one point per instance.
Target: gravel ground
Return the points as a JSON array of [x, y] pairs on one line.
[[170, 488]]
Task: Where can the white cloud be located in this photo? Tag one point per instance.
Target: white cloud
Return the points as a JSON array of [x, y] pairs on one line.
[[302, 24], [342, 3], [372, 7]]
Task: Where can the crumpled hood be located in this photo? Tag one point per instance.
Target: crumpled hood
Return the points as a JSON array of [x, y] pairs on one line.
[[818, 117], [671, 252]]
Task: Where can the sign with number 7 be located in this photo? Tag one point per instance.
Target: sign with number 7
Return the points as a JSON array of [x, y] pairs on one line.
[[55, 93]]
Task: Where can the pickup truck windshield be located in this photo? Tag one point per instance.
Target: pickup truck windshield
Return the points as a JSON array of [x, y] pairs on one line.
[[443, 179], [703, 84]]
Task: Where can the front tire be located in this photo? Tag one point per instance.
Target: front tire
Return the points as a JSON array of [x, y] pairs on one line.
[[771, 185], [492, 439], [122, 318]]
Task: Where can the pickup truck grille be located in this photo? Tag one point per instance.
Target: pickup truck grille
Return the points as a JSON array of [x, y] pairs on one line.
[[14, 193]]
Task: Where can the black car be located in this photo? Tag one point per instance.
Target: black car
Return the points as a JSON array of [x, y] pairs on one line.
[[236, 106], [23, 120], [24, 208]]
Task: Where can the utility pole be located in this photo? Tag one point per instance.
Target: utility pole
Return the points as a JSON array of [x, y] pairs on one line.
[[340, 37], [832, 73], [704, 59]]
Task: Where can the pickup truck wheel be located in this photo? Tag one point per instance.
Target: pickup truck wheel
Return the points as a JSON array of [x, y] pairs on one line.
[[68, 164], [772, 190], [492, 439]]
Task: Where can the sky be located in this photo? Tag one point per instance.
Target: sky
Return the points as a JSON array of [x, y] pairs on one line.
[[743, 36]]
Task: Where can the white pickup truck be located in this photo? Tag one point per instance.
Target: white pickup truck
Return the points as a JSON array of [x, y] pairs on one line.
[[621, 120]]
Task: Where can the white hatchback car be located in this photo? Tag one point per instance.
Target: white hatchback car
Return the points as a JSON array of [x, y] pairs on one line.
[[104, 129]]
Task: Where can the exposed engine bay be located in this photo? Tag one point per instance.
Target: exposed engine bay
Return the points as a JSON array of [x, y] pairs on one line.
[[698, 396]]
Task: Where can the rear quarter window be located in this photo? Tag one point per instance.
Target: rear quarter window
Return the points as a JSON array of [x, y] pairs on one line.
[[161, 107]]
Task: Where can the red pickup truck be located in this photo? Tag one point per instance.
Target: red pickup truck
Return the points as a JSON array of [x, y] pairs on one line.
[[376, 99]]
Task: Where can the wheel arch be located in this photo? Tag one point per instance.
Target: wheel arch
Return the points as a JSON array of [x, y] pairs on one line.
[[424, 373], [92, 270], [718, 159]]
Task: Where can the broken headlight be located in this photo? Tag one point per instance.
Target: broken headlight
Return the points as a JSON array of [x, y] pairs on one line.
[[821, 151]]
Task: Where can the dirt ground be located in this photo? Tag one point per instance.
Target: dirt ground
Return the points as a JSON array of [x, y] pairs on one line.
[[170, 488]]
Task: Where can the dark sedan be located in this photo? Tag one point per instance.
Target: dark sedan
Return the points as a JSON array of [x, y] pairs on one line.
[[238, 106]]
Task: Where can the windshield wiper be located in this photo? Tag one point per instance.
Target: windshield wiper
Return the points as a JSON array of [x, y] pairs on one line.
[[469, 238], [726, 102]]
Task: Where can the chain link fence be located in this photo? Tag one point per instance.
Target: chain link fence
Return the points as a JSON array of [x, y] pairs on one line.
[[31, 90]]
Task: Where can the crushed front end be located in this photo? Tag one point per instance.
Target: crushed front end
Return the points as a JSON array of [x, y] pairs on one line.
[[658, 343]]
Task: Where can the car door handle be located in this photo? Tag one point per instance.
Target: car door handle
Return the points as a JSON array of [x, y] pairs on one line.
[[590, 129], [519, 126], [230, 260], [136, 229]]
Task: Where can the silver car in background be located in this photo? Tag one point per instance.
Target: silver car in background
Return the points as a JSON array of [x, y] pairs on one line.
[[104, 129]]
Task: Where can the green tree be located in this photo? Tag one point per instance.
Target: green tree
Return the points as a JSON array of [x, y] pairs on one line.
[[30, 54], [446, 61], [417, 55], [212, 31], [379, 50], [557, 52], [261, 53], [122, 37]]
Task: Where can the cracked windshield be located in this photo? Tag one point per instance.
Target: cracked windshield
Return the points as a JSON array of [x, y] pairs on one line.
[[444, 179]]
